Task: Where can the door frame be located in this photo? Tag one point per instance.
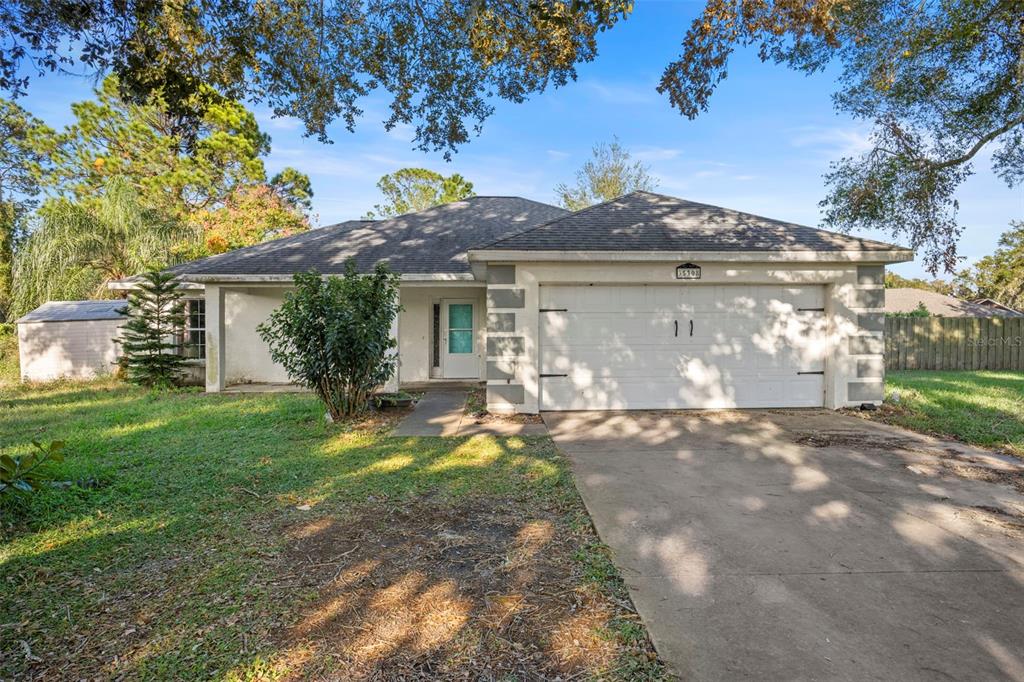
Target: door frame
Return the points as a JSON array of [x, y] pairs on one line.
[[445, 302]]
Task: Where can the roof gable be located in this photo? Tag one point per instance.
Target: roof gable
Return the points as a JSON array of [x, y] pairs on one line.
[[425, 242], [645, 221]]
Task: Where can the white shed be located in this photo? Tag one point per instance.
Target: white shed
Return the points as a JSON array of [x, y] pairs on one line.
[[75, 339]]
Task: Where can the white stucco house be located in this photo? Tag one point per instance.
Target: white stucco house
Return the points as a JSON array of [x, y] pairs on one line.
[[644, 302]]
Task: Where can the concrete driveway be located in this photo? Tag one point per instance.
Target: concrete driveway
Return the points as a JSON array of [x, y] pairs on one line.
[[806, 544]]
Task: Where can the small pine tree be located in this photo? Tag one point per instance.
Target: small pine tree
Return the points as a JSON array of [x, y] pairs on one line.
[[156, 314]]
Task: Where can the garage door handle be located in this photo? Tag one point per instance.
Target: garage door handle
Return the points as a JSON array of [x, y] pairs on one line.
[[544, 376], [691, 327], [818, 372], [677, 327]]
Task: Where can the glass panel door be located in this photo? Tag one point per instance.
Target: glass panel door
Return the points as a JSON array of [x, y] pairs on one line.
[[460, 328]]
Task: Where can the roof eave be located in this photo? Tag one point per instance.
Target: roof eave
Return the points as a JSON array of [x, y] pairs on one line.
[[289, 278], [803, 256]]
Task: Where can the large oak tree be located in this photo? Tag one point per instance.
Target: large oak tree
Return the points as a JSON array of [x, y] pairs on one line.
[[942, 82]]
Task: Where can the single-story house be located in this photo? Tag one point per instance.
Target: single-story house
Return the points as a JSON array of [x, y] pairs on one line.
[[643, 302], [902, 300]]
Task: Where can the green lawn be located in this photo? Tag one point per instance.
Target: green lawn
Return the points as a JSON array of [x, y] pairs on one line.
[[241, 537], [982, 408]]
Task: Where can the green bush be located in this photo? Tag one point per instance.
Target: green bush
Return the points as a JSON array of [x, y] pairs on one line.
[[26, 473], [333, 335]]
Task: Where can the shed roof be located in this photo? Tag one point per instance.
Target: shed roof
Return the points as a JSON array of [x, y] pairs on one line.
[[75, 311]]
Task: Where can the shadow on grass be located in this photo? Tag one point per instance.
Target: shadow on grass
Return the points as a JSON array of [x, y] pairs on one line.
[[169, 569]]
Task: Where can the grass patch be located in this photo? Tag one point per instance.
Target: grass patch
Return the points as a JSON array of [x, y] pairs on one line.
[[981, 408], [241, 537], [10, 371]]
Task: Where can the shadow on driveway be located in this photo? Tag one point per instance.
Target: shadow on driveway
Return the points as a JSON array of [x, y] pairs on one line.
[[803, 545]]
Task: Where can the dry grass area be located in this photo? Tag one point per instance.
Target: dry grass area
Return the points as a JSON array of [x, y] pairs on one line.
[[481, 590]]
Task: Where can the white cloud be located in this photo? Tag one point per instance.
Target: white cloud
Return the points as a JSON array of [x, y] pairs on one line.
[[650, 153], [832, 141], [619, 93], [557, 154]]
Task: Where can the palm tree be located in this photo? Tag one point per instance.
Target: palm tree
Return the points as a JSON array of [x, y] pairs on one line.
[[78, 248]]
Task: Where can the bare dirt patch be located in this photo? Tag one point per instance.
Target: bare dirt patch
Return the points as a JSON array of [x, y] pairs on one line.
[[484, 589], [476, 407]]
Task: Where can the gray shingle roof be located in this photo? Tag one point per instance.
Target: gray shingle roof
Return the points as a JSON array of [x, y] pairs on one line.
[[906, 300], [431, 241], [644, 221], [73, 311]]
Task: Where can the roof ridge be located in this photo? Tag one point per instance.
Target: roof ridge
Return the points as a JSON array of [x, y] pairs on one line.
[[570, 214]]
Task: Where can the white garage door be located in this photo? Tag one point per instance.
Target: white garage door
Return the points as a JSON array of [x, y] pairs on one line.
[[683, 346]]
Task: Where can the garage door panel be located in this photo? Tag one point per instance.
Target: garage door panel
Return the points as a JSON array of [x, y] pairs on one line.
[[630, 347]]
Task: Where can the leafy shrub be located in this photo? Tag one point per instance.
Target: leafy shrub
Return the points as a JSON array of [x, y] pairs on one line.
[[156, 315], [25, 473], [333, 335]]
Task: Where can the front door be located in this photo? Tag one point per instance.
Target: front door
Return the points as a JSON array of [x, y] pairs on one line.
[[459, 353]]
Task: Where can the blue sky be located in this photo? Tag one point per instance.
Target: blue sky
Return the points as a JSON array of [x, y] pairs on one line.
[[763, 146]]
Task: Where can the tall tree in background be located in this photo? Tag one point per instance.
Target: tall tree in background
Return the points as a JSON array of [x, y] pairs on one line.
[[251, 215], [25, 146], [173, 171], [78, 248], [1001, 275], [417, 189], [610, 173], [193, 177], [941, 82]]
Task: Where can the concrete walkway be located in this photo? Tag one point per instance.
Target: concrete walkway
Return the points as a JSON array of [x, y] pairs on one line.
[[804, 545], [441, 412]]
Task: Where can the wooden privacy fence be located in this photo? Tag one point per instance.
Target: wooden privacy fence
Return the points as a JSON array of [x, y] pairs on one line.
[[954, 343]]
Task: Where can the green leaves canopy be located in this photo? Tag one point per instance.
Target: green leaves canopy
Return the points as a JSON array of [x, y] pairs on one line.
[[439, 61], [940, 81], [333, 335]]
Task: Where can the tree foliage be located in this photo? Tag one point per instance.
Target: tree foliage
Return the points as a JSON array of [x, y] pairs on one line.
[[78, 248], [941, 82], [149, 339], [999, 276], [174, 172], [417, 189], [439, 61], [333, 335], [250, 215], [610, 173], [25, 147], [894, 281]]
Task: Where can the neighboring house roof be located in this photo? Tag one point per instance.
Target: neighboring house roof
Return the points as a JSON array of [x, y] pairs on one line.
[[426, 242], [906, 300], [75, 311], [644, 221], [999, 306]]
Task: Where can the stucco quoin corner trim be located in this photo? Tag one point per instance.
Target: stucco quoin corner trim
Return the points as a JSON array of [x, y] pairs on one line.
[[781, 256]]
